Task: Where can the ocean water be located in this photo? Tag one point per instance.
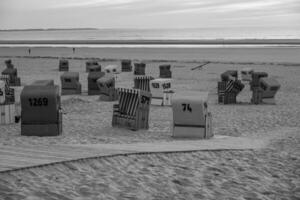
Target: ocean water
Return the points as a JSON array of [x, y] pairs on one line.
[[155, 34]]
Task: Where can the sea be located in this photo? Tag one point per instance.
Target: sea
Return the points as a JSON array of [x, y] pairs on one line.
[[149, 34]]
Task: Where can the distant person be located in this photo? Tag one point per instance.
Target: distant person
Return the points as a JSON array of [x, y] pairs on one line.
[[29, 51], [73, 50]]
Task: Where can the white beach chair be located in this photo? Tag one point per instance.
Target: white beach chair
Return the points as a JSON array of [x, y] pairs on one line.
[[161, 92]]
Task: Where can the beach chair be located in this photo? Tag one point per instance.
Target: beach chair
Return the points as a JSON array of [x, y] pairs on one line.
[[228, 91], [270, 87], [142, 82], [229, 75], [191, 118], [41, 109], [111, 70], [255, 87], [93, 88], [246, 74], [165, 71], [70, 83], [107, 88], [12, 73], [92, 66], [266, 91], [161, 92], [63, 65], [9, 92], [126, 66], [139, 68], [7, 113], [2, 92], [7, 106], [256, 76], [132, 111]]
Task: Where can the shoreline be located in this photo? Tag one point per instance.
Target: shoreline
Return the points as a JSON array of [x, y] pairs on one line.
[[160, 42]]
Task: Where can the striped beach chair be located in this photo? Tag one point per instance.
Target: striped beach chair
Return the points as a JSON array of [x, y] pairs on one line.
[[132, 112], [142, 82]]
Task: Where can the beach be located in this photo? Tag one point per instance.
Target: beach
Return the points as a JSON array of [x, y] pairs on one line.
[[268, 173]]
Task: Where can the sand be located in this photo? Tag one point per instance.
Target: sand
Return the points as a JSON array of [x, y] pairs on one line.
[[269, 173]]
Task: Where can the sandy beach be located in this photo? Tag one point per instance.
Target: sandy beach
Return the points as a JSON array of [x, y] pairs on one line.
[[269, 173]]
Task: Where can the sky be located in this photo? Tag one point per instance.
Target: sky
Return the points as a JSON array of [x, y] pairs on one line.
[[22, 14]]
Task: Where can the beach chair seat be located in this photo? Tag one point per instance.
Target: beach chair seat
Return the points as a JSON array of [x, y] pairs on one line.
[[126, 66], [165, 71], [142, 82], [41, 110], [139, 68], [70, 83], [161, 92], [107, 88], [63, 65], [191, 118], [93, 88], [132, 111], [92, 66]]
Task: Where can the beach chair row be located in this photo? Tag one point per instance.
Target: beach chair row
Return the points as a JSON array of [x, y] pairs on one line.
[[126, 66], [263, 88]]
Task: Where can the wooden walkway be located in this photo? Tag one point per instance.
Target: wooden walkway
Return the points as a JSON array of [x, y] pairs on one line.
[[16, 157]]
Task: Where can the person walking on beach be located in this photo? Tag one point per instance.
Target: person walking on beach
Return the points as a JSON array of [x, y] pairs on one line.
[[29, 51], [73, 50]]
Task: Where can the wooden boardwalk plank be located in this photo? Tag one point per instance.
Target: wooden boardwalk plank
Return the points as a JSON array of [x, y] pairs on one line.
[[13, 157]]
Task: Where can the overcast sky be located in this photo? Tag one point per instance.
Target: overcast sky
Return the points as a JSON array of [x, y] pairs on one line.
[[147, 13]]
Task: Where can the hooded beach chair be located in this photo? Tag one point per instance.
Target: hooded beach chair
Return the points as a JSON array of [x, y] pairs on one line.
[[63, 65], [107, 88], [111, 70], [9, 92], [70, 83], [255, 87], [266, 91], [165, 71], [191, 118], [41, 109], [161, 91], [126, 66], [93, 88], [12, 73], [246, 74], [139, 68], [132, 111], [229, 87], [92, 66]]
